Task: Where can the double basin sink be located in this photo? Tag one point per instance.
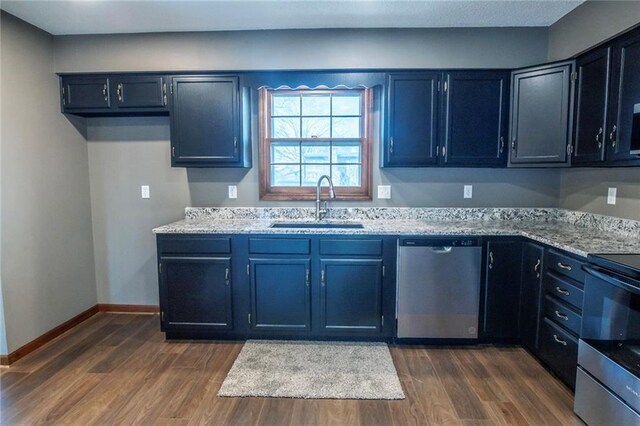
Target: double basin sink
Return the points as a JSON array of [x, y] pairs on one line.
[[317, 225]]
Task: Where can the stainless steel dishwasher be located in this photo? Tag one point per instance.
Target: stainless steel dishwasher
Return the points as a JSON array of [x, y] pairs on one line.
[[438, 287]]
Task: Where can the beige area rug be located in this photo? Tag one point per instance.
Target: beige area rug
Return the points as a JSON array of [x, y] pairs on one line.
[[324, 370]]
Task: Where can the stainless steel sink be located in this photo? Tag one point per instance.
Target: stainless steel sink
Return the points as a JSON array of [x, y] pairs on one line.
[[316, 225]]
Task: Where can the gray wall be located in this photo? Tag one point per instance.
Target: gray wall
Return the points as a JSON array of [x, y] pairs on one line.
[[287, 49], [47, 248], [587, 25], [586, 190], [3, 331], [127, 153]]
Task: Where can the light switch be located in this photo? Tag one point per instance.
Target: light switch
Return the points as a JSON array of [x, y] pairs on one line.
[[384, 192], [468, 191], [233, 191], [144, 191], [611, 196]]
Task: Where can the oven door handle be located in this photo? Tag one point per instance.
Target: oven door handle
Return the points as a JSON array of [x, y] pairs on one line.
[[612, 279]]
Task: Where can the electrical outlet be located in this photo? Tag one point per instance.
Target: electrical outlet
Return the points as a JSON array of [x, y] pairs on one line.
[[384, 192], [468, 191], [233, 191], [144, 191], [611, 196]]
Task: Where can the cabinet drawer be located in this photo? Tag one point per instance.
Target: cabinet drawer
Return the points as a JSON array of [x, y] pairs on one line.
[[565, 265], [279, 246], [559, 349], [563, 289], [194, 245], [351, 247], [561, 314]]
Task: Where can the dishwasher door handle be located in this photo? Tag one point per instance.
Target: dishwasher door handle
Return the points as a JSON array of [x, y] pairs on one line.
[[441, 250]]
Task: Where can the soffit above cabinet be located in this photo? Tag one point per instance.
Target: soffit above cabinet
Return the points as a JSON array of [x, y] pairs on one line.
[[66, 17]]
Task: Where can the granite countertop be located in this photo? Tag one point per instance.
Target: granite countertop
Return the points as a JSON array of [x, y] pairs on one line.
[[576, 234]]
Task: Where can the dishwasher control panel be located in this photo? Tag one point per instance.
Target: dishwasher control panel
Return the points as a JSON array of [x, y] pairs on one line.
[[439, 242]]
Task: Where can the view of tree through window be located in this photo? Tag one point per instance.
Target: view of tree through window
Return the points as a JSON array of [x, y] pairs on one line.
[[310, 133]]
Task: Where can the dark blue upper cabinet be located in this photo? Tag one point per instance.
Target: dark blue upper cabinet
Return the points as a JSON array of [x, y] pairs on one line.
[[625, 94], [115, 95], [85, 94], [411, 138], [475, 117], [592, 91], [205, 122], [540, 115], [140, 92]]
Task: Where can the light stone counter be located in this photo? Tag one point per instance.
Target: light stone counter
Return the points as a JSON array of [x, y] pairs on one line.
[[576, 232]]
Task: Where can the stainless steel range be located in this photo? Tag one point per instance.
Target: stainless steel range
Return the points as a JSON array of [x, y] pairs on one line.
[[608, 377]]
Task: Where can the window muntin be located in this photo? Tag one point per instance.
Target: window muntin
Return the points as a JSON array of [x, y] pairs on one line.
[[308, 133]]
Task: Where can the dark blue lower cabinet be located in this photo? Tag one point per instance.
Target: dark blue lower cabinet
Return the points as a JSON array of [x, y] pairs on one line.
[[502, 291], [239, 287], [280, 294], [351, 296], [195, 293]]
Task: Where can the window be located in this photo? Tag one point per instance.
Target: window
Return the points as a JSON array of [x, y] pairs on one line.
[[305, 134]]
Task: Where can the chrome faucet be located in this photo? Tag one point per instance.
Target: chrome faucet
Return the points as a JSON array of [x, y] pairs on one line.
[[322, 212]]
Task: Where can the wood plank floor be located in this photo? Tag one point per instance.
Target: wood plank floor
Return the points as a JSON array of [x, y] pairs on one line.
[[116, 369]]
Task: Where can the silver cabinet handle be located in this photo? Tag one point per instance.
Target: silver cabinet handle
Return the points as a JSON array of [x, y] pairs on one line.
[[562, 342], [306, 278], [104, 92], [536, 266], [164, 93], [490, 260], [322, 278], [563, 266], [513, 144], [562, 291], [612, 136], [562, 316], [501, 144], [391, 145], [598, 137], [226, 276], [119, 92]]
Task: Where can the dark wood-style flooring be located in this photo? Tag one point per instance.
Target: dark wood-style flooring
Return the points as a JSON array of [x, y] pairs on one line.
[[118, 369]]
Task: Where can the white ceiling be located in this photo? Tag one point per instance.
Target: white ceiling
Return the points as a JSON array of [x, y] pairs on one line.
[[61, 17]]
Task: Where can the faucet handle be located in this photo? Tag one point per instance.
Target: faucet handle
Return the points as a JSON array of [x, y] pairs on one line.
[[323, 210]]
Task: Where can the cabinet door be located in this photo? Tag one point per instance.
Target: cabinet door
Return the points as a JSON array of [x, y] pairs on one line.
[[351, 295], [205, 121], [625, 95], [280, 294], [412, 112], [540, 104], [530, 294], [476, 108], [85, 93], [196, 293], [502, 290], [592, 93], [143, 92]]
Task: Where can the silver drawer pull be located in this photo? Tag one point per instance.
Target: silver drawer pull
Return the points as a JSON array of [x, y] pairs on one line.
[[562, 291], [562, 342], [563, 266], [562, 316]]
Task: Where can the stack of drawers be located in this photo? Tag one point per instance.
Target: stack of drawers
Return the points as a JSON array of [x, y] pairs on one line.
[[561, 314]]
